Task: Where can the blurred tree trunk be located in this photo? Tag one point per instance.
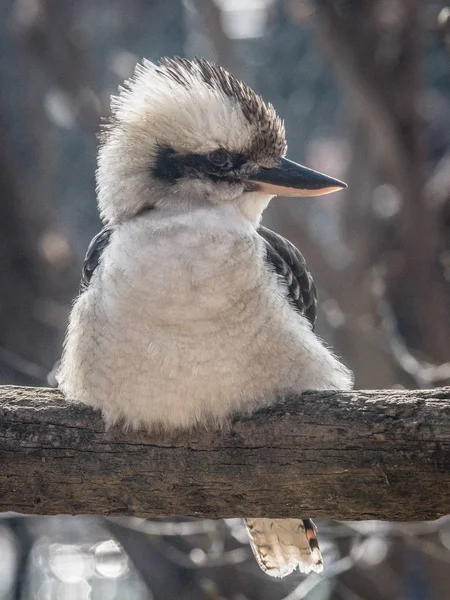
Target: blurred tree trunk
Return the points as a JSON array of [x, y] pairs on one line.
[[65, 68], [24, 283], [376, 47]]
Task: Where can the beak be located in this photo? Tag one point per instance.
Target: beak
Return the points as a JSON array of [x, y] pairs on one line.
[[292, 179]]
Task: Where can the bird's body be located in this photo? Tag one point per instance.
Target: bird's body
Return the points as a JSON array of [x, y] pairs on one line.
[[184, 333], [190, 311]]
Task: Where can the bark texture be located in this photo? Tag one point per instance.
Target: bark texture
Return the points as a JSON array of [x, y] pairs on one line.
[[353, 455]]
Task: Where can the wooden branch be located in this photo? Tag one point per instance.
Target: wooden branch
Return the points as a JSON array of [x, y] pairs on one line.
[[353, 455]]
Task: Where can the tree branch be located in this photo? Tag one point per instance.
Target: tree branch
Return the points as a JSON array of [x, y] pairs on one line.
[[353, 455]]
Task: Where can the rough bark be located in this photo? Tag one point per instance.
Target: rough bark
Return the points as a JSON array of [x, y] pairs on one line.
[[355, 455]]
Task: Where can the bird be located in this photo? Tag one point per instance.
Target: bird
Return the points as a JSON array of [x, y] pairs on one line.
[[190, 311]]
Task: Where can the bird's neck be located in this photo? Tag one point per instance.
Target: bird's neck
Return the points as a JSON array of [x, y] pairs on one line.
[[242, 213], [251, 206], [246, 209], [212, 219]]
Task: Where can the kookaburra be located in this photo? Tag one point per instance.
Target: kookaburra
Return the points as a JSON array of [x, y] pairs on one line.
[[191, 311]]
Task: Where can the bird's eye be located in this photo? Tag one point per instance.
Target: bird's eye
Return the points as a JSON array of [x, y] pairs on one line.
[[219, 158]]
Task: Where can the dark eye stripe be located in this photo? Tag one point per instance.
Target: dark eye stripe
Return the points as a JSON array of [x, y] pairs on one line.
[[220, 158], [171, 166]]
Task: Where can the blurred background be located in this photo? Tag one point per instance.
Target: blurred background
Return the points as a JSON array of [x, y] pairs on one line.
[[364, 88]]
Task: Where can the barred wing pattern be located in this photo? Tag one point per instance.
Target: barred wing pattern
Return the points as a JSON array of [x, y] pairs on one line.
[[290, 265]]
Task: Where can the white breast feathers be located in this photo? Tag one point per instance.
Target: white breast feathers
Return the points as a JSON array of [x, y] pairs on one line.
[[184, 322]]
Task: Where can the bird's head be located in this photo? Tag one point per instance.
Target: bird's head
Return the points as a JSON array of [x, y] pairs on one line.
[[185, 134]]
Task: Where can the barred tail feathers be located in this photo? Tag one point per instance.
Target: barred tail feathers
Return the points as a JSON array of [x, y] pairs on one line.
[[282, 545]]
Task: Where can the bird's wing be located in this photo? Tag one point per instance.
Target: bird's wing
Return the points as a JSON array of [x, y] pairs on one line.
[[289, 264], [91, 261], [93, 255]]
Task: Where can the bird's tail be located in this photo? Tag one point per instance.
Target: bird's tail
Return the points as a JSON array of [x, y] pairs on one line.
[[283, 545]]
